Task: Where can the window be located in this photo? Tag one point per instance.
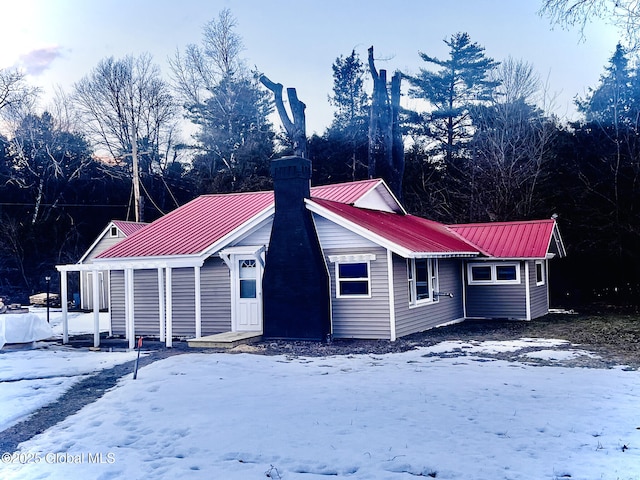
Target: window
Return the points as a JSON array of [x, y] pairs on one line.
[[113, 232], [493, 273], [540, 273], [422, 274], [352, 279], [248, 277]]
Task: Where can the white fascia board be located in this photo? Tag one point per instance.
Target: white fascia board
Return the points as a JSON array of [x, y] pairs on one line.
[[137, 263], [251, 224], [555, 235], [357, 229], [444, 255], [96, 241]]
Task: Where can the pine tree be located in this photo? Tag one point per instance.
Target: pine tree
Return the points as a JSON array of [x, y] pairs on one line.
[[461, 82]]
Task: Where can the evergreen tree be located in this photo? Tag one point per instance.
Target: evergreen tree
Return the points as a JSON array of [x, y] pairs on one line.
[[346, 157], [461, 82]]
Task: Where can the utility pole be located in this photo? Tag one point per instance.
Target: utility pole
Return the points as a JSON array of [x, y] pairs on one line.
[[135, 174]]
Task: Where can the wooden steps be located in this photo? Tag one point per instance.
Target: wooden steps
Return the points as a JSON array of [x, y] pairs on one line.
[[225, 340]]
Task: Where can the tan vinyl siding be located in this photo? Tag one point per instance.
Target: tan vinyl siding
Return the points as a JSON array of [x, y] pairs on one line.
[[184, 302], [117, 302], [412, 319], [366, 318], [498, 301], [146, 305], [86, 288], [539, 294], [216, 297]]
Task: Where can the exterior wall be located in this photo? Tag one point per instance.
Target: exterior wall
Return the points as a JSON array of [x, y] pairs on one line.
[[258, 237], [366, 318], [216, 297], [497, 301], [333, 236], [116, 300], [539, 294], [215, 300], [412, 319], [86, 287]]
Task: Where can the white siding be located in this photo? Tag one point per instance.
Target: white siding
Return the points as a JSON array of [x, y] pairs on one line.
[[333, 236], [260, 236]]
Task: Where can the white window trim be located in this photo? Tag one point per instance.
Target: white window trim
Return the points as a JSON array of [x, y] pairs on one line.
[[113, 232], [494, 277], [543, 265], [433, 277], [337, 263]]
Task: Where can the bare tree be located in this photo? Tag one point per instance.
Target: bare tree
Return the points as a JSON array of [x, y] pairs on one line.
[[296, 127], [14, 90], [386, 151], [127, 106], [624, 14], [199, 70], [510, 147]]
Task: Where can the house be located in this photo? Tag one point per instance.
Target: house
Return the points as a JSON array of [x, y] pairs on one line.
[[115, 231], [340, 260]]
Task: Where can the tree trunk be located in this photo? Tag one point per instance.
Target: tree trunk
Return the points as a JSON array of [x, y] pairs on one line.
[[386, 150]]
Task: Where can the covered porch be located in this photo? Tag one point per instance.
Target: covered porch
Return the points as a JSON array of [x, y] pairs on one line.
[[164, 270]]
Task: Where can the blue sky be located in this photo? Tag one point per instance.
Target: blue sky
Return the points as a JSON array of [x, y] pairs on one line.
[[294, 42]]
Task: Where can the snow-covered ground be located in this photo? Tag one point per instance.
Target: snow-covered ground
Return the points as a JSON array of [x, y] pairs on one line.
[[424, 413]]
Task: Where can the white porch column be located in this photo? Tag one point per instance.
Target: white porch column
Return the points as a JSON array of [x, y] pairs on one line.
[[161, 295], [65, 313], [198, 302], [128, 273], [169, 307], [96, 309]]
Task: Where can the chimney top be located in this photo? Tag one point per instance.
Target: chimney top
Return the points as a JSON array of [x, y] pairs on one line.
[[291, 167]]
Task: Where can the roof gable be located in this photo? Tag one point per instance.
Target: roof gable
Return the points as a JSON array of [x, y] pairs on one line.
[[526, 239], [406, 235], [125, 227], [195, 227]]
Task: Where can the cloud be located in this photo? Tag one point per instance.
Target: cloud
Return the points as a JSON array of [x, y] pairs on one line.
[[37, 61]]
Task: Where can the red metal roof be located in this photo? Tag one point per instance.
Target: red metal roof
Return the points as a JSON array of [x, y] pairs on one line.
[[415, 234], [344, 192], [195, 226], [527, 239], [128, 228]]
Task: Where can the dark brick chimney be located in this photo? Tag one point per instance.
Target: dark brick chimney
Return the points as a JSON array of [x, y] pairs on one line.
[[295, 284]]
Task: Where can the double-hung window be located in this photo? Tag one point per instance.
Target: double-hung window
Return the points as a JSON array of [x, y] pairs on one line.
[[353, 275], [493, 273], [422, 274]]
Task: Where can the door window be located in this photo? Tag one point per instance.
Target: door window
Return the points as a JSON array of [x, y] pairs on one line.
[[248, 278]]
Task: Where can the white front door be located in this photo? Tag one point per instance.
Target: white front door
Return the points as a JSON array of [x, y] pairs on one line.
[[248, 294]]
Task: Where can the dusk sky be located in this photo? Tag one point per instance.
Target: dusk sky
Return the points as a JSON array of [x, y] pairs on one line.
[[295, 42]]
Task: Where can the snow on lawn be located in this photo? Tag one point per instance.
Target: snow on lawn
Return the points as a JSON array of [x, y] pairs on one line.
[[396, 416], [79, 322], [31, 379]]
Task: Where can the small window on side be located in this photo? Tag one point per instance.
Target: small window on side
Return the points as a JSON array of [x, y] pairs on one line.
[[481, 273], [113, 232], [540, 273]]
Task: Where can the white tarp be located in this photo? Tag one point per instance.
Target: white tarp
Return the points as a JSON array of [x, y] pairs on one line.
[[23, 328]]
